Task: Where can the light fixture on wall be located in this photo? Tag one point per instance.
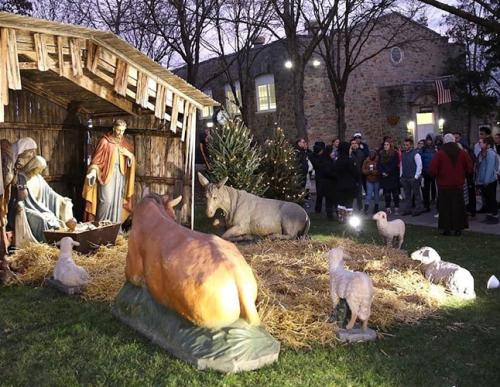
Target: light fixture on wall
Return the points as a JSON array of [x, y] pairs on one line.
[[210, 124], [441, 123], [410, 126], [316, 63], [288, 64]]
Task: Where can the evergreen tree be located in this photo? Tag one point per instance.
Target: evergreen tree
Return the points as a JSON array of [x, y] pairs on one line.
[[281, 169], [234, 154]]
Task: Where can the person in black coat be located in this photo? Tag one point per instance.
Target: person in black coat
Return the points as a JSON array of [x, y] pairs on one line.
[[317, 154], [347, 174], [389, 176], [326, 170]]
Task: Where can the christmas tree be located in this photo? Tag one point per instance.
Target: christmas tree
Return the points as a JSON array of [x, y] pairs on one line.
[[281, 169], [234, 154]]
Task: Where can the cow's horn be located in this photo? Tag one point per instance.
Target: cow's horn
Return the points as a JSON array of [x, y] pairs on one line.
[[203, 180], [222, 182], [172, 203]]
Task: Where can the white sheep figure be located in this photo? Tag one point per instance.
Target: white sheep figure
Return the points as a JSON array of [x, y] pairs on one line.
[[66, 270], [355, 287], [390, 230], [457, 279]]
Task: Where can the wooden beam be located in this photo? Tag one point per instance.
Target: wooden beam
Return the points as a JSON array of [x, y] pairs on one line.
[[161, 96], [175, 113], [60, 54], [43, 92], [76, 57], [187, 108], [13, 75], [121, 77], [4, 85], [142, 94], [90, 85], [93, 52], [42, 56]]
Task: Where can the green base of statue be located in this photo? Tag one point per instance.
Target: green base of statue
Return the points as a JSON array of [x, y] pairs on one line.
[[238, 347]]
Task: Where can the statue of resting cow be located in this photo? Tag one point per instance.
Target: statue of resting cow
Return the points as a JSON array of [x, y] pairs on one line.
[[202, 277], [249, 215]]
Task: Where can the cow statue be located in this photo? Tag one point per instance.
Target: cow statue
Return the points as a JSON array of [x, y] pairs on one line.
[[249, 215], [202, 277]]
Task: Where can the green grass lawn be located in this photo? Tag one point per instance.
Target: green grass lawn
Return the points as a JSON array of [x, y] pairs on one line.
[[47, 338]]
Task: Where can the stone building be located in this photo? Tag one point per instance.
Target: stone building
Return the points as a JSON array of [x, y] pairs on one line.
[[393, 93]]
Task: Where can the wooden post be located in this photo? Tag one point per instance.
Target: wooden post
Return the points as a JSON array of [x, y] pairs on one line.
[[175, 113], [93, 52], [4, 85], [60, 55], [41, 52], [161, 95], [121, 77], [187, 108], [13, 75], [142, 93], [76, 57]]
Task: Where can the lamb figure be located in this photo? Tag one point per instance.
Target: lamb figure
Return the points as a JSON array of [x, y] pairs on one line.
[[355, 287], [457, 279], [389, 231], [66, 270]]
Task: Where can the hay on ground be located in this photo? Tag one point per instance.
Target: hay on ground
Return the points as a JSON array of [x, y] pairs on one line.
[[293, 301]]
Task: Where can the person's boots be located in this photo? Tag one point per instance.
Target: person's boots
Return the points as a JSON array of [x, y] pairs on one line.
[[366, 209], [375, 208]]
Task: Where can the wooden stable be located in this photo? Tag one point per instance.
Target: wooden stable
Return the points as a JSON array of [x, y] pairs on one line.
[[63, 85]]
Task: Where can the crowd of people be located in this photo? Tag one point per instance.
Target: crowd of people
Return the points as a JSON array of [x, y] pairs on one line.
[[439, 170]]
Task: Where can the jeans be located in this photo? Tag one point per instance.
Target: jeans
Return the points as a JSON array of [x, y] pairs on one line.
[[394, 192], [372, 189], [428, 190], [411, 186]]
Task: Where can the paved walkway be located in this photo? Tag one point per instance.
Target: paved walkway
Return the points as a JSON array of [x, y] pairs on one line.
[[428, 219]]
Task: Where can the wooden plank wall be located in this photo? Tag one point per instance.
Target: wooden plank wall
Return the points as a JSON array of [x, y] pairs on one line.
[[159, 152]]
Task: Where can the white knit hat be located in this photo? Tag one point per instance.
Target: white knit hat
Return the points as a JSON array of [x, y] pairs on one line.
[[448, 137]]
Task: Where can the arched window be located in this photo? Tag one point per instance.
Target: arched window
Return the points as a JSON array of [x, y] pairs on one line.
[[396, 55], [264, 90]]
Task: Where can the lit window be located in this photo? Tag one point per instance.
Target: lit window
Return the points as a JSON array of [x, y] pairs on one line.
[[266, 96], [231, 103], [396, 55], [209, 110]]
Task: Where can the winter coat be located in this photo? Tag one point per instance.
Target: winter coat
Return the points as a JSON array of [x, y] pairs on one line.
[[390, 167], [426, 154], [448, 175], [370, 170], [487, 167], [347, 173]]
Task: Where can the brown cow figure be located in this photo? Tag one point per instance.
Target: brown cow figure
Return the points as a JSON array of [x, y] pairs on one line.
[[202, 277]]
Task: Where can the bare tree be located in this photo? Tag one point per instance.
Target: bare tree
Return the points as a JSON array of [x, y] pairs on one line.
[[125, 18], [238, 27], [360, 31], [489, 21], [182, 24], [291, 15]]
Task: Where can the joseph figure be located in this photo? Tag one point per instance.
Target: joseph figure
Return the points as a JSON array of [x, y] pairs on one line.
[[109, 184]]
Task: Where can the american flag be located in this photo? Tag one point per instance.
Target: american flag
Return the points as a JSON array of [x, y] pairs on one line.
[[443, 91]]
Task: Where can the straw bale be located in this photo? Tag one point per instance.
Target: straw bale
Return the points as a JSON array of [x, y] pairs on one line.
[[293, 301]]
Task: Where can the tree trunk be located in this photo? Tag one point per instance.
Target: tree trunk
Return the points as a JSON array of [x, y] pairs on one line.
[[341, 124], [298, 101]]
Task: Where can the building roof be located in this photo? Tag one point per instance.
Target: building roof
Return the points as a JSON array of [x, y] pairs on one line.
[[98, 62]]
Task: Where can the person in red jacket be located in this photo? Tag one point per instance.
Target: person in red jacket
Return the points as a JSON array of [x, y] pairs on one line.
[[449, 167]]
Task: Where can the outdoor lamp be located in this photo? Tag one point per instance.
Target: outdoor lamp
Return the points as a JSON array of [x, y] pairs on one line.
[[410, 126], [288, 64], [210, 124], [316, 63], [441, 123]]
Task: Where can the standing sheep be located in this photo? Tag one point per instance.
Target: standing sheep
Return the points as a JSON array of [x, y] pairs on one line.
[[390, 230], [66, 270], [457, 279], [355, 287]]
